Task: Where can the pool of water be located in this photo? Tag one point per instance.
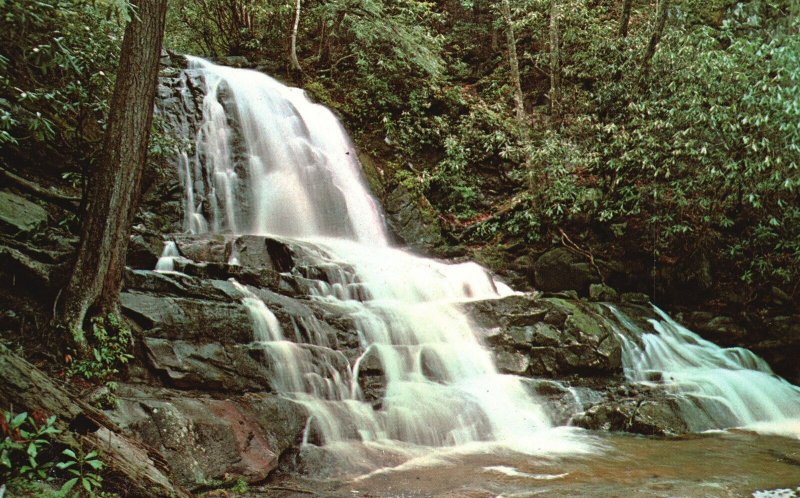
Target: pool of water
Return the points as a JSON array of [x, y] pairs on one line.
[[725, 464]]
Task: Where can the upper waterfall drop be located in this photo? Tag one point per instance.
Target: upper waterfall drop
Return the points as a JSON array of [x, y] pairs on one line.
[[277, 163]]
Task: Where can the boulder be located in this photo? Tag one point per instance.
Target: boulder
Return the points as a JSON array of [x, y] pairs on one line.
[[643, 412], [19, 215], [550, 337], [602, 292], [413, 221], [561, 269], [210, 440]]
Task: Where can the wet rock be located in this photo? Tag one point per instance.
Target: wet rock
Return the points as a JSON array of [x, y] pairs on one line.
[[781, 346], [658, 416], [557, 337], [412, 220], [561, 269], [371, 377], [188, 319], [635, 298], [208, 366], [512, 362], [19, 215], [179, 285], [593, 347], [207, 440], [721, 329], [264, 252], [560, 401], [144, 251], [602, 292]]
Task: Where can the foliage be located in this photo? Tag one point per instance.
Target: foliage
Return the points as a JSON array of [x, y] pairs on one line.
[[25, 439], [110, 340], [708, 152], [84, 470], [26, 457], [56, 73]]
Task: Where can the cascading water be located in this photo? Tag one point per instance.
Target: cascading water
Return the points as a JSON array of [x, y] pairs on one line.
[[268, 161], [278, 163], [720, 387]]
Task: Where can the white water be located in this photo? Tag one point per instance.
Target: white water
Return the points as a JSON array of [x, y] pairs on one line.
[[300, 172], [292, 172], [167, 260], [274, 163], [726, 387]]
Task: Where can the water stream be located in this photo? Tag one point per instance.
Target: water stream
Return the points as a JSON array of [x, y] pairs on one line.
[[278, 164], [717, 387], [268, 161]]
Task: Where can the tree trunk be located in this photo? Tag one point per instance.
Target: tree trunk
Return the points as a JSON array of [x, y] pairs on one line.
[[658, 30], [513, 62], [114, 187], [625, 18], [131, 466], [293, 41], [555, 62]]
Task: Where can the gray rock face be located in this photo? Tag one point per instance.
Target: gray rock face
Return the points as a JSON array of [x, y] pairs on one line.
[[209, 440], [202, 393], [412, 220], [561, 269], [635, 409], [19, 215], [549, 337]]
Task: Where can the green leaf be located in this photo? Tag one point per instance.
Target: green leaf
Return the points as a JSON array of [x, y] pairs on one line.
[[70, 453], [18, 420], [67, 487], [95, 464]]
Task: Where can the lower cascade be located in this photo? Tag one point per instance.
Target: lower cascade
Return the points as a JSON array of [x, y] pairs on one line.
[[267, 161], [718, 387]]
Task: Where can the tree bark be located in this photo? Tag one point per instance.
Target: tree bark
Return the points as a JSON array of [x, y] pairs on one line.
[[131, 466], [555, 62], [114, 188], [295, 64], [513, 62], [655, 37], [625, 18]]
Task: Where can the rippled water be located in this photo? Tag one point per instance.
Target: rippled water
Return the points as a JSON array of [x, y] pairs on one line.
[[735, 464]]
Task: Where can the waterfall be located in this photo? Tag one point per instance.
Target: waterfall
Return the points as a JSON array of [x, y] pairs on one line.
[[719, 387], [278, 163], [268, 161]]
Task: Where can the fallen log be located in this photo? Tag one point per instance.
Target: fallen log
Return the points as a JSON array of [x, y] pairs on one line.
[[132, 468]]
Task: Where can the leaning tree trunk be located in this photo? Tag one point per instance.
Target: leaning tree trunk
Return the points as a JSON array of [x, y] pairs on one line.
[[555, 63], [655, 37], [293, 41], [625, 18], [513, 62], [114, 187]]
